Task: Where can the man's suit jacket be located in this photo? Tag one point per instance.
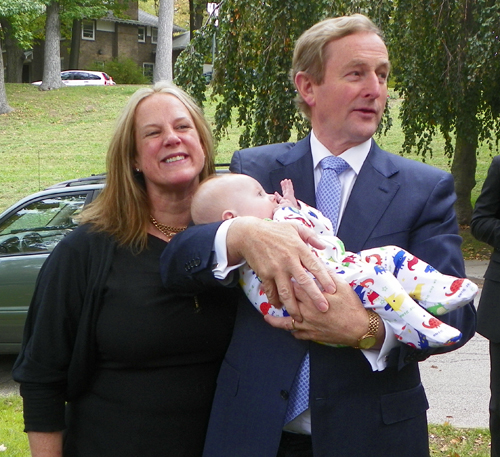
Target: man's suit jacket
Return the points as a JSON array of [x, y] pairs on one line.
[[485, 226], [355, 412]]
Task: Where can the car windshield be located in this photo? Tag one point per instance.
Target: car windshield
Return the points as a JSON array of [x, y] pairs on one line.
[[40, 225]]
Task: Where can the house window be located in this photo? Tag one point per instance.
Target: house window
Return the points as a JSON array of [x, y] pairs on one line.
[[142, 34], [88, 30], [154, 35], [147, 70]]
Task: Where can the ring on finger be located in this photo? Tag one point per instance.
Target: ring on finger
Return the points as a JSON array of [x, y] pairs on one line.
[[293, 324]]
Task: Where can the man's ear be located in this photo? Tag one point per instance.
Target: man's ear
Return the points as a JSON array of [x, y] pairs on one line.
[[229, 214], [304, 85]]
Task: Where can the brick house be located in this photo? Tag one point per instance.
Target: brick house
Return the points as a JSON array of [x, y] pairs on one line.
[[107, 38]]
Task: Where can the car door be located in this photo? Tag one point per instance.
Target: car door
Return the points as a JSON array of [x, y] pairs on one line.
[[94, 80], [28, 233]]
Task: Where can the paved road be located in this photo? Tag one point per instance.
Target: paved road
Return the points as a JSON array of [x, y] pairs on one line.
[[457, 383]]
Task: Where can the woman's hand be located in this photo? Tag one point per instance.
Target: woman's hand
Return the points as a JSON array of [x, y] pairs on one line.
[[279, 255], [343, 324]]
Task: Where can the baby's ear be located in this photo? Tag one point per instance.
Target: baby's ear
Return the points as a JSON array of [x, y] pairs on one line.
[[228, 214]]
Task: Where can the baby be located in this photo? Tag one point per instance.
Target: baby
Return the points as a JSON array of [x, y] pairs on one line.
[[405, 291]]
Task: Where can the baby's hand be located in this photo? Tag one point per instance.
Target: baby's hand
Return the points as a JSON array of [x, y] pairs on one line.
[[288, 194], [284, 203]]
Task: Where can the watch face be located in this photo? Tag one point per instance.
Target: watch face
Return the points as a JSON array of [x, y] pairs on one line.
[[368, 342]]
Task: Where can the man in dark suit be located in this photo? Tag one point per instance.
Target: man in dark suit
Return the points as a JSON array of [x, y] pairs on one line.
[[367, 402], [485, 226]]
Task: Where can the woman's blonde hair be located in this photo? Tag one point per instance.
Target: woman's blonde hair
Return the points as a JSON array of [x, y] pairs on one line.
[[122, 209], [309, 52]]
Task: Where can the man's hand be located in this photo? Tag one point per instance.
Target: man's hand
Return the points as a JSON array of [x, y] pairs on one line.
[[343, 324], [277, 253]]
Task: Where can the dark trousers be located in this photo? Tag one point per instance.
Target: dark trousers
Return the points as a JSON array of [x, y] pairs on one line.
[[294, 445], [495, 398]]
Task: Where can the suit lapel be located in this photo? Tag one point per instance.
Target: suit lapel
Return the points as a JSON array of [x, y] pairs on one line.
[[370, 197], [296, 164]]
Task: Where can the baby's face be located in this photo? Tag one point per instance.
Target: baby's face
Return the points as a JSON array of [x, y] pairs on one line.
[[253, 199]]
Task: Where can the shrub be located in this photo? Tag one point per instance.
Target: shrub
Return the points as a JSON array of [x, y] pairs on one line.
[[124, 71]]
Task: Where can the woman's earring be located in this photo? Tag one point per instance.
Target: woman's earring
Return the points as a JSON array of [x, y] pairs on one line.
[[138, 170]]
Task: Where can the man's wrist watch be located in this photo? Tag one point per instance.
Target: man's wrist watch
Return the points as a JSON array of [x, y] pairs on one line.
[[369, 339]]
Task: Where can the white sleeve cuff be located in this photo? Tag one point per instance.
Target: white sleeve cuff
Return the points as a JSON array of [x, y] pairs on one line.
[[220, 269], [378, 357]]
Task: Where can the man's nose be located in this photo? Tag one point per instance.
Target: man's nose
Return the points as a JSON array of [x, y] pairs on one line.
[[373, 86]]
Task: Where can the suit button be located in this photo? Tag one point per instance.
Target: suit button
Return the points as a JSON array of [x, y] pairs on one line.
[[284, 394]]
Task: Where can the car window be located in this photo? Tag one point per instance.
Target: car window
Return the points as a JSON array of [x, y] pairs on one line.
[[66, 76], [40, 225], [92, 76]]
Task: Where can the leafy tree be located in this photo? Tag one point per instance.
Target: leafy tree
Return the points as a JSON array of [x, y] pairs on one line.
[[254, 52], [163, 63], [67, 10], [448, 72], [12, 14]]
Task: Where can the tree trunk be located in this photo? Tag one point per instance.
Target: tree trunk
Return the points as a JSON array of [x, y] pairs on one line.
[[4, 106], [74, 54], [15, 56], [52, 57], [196, 10], [463, 170], [163, 63]]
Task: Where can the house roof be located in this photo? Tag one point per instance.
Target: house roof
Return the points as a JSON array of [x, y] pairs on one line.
[[180, 41], [143, 19]]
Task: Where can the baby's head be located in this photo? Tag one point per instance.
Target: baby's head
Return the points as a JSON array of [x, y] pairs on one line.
[[226, 196]]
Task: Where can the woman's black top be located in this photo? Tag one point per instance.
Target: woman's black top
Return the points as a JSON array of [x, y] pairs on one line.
[[154, 365]]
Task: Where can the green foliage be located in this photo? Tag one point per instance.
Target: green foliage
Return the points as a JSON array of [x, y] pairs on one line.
[[123, 71], [189, 65], [448, 70], [88, 9], [254, 52], [22, 17]]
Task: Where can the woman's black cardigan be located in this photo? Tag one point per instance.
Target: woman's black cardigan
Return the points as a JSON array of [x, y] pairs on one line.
[[58, 352]]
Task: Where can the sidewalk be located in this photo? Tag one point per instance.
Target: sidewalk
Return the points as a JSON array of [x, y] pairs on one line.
[[457, 383]]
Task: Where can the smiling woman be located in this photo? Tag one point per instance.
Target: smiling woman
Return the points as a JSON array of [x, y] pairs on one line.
[[169, 154], [115, 327]]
